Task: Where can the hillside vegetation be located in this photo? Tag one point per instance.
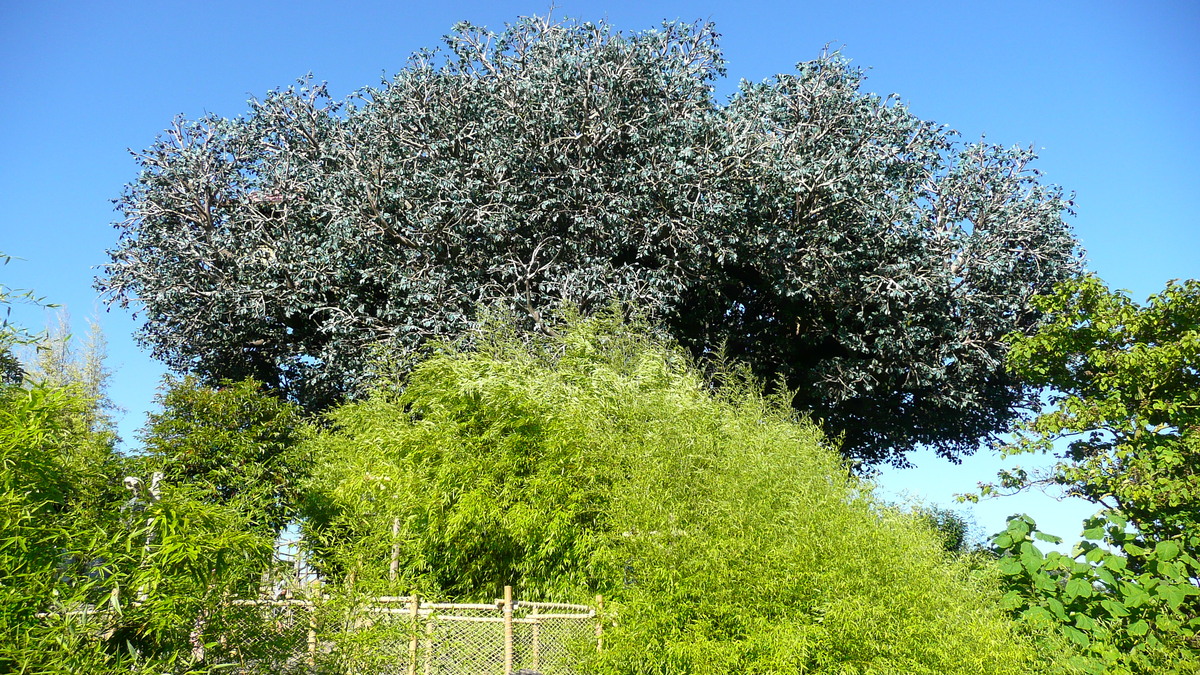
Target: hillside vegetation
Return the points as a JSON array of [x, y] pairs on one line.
[[725, 533]]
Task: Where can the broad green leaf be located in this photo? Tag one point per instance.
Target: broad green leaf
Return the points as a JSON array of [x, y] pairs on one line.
[[1048, 537], [1057, 608], [1010, 565], [1138, 628], [1166, 550], [1077, 587], [1172, 594], [1038, 616], [1114, 608], [1077, 636], [1134, 549]]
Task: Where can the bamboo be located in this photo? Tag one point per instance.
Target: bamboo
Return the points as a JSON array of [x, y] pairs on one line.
[[394, 567], [414, 610], [508, 631]]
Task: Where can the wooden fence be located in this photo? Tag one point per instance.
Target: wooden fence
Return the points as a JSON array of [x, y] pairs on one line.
[[401, 636]]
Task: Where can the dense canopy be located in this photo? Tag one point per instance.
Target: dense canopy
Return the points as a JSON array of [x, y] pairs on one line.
[[823, 235]]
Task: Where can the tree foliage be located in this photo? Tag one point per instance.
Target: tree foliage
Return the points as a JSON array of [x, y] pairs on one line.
[[724, 536], [1123, 383], [821, 234], [234, 443], [1122, 411]]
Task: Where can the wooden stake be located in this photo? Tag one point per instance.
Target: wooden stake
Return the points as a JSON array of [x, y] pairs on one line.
[[414, 609], [508, 631], [599, 623]]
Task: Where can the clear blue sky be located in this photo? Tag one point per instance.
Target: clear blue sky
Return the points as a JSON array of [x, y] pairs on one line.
[[1108, 91]]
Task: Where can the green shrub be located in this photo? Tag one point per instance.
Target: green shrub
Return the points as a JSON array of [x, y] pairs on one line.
[[723, 532]]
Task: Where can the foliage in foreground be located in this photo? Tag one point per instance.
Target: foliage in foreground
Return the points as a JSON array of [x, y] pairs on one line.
[[724, 535], [90, 581], [816, 231], [1127, 609]]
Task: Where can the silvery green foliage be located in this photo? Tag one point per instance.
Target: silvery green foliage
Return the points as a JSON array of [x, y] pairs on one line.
[[821, 234]]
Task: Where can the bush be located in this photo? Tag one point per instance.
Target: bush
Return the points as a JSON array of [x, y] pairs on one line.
[[725, 535]]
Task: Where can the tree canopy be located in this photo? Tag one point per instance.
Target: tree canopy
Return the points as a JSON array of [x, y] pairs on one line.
[[1121, 412], [823, 235], [232, 442], [1124, 383]]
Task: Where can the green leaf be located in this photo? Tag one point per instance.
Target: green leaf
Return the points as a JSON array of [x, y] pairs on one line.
[[1114, 608], [1138, 628], [1173, 595], [1075, 635], [1038, 615], [1010, 565], [1077, 587], [1166, 550], [1167, 570], [1134, 549], [1057, 608]]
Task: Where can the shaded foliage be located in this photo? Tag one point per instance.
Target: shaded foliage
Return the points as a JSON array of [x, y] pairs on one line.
[[820, 234]]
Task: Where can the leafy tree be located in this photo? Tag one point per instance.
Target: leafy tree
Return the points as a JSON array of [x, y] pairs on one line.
[[233, 442], [1122, 411], [821, 234], [1123, 382]]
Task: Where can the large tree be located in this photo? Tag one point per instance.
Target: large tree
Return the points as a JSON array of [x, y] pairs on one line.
[[824, 235]]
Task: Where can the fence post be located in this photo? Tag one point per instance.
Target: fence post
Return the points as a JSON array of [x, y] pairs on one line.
[[537, 639], [414, 609], [508, 631], [312, 633], [599, 623]]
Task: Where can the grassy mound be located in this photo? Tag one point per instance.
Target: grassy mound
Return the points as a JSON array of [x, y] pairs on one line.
[[725, 536]]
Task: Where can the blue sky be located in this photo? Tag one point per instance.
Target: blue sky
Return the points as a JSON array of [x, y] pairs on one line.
[[1107, 91]]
